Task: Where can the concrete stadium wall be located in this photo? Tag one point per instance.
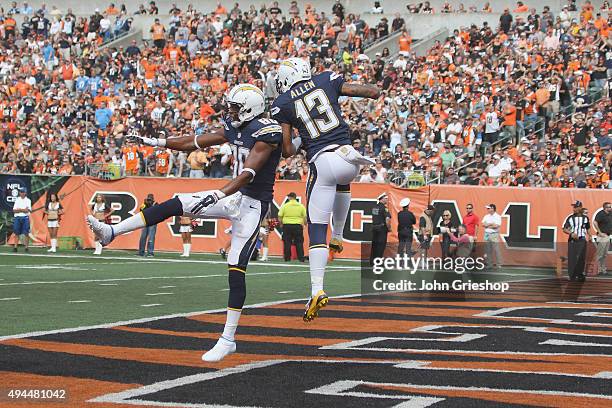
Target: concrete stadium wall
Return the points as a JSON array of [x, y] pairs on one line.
[[353, 6]]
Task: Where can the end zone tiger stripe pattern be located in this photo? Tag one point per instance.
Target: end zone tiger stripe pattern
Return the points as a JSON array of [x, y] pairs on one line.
[[514, 349]]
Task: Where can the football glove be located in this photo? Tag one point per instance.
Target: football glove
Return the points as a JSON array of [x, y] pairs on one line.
[[134, 137], [208, 199]]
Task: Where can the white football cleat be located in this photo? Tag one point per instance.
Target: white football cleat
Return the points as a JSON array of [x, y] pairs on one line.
[[223, 348], [103, 232]]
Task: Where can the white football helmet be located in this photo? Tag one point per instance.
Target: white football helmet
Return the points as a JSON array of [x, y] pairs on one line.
[[247, 101], [290, 72]]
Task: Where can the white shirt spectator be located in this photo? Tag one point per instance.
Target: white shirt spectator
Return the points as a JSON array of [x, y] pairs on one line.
[[22, 203], [551, 42], [495, 219], [495, 169], [492, 122]]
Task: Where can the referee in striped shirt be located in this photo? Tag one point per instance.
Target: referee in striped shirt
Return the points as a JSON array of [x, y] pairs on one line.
[[577, 228]]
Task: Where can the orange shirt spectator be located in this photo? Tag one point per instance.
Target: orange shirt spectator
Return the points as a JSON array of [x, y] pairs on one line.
[[22, 88], [220, 10], [205, 111], [112, 10], [158, 31], [218, 85], [405, 42], [162, 163], [542, 96], [509, 115], [9, 25], [173, 53], [130, 156], [521, 8], [150, 69]]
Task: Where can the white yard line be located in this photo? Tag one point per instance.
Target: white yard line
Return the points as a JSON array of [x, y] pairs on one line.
[[18, 298], [285, 291], [159, 260], [108, 284], [159, 294], [167, 287], [79, 301], [153, 304], [224, 275]]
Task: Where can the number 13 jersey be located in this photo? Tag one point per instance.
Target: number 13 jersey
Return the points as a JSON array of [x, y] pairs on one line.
[[242, 140], [312, 108]]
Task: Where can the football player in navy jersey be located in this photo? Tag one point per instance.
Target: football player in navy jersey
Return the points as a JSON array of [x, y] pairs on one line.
[[310, 104], [256, 146]]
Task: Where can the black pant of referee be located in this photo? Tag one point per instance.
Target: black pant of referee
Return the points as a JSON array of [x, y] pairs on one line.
[[293, 234], [577, 226], [576, 258]]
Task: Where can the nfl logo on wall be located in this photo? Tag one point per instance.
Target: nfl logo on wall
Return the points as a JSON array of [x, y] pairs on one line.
[[10, 190]]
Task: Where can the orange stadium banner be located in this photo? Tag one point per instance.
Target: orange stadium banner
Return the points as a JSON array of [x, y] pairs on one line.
[[532, 218]]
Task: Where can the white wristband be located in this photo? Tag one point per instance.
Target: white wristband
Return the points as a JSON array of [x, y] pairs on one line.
[[220, 194], [250, 170], [195, 142]]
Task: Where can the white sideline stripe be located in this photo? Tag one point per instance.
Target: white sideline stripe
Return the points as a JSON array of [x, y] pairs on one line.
[[223, 275], [79, 301], [155, 318], [152, 304], [282, 292], [107, 284], [167, 287], [10, 298], [159, 294], [157, 260]]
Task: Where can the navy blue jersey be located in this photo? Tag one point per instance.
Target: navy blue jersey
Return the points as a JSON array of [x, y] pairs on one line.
[[242, 140], [312, 107]]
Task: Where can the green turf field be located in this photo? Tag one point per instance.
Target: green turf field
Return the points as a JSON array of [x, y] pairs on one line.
[[43, 291]]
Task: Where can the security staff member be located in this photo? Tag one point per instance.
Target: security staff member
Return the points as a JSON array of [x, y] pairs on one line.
[[292, 216], [381, 225], [577, 227], [405, 228]]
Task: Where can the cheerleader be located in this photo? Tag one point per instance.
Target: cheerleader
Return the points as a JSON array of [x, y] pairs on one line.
[[53, 211], [186, 229], [101, 212]]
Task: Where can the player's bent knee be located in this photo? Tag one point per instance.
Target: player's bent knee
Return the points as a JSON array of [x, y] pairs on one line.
[[237, 285], [158, 213], [317, 233]]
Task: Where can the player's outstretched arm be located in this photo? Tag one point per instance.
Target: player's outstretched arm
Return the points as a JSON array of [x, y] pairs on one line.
[[183, 143], [364, 91]]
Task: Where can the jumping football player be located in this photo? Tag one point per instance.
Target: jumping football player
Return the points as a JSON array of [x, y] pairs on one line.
[[310, 105], [256, 146]]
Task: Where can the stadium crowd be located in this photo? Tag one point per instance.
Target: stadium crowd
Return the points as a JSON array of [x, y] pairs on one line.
[[523, 103]]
